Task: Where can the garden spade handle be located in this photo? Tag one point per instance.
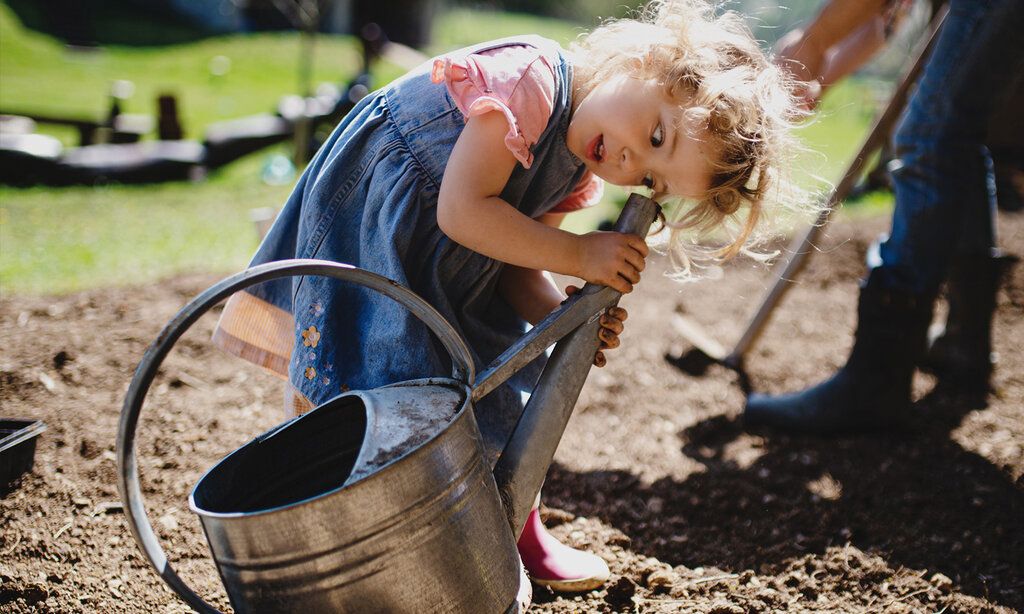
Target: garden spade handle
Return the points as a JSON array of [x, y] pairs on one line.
[[128, 475]]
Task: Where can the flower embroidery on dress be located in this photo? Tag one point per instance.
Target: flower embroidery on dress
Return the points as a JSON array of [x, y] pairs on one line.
[[316, 309], [310, 337], [310, 373], [326, 380], [312, 355]]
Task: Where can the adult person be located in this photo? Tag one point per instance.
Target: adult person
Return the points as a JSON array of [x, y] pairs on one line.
[[943, 219]]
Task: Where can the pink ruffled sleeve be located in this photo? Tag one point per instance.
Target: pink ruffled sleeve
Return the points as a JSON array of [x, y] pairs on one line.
[[587, 193], [516, 80]]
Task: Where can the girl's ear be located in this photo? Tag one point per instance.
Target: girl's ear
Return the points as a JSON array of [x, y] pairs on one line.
[[643, 60], [635, 63]]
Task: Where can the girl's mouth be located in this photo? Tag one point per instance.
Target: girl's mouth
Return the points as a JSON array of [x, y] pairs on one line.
[[595, 151]]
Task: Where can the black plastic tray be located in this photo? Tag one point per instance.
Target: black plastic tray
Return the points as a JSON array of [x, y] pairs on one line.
[[17, 449]]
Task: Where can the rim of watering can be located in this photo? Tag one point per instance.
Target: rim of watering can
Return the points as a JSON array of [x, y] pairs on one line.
[[383, 471], [128, 475]]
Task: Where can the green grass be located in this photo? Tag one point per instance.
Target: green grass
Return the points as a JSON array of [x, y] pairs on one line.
[[66, 239], [42, 76], [462, 27], [77, 238], [62, 240]]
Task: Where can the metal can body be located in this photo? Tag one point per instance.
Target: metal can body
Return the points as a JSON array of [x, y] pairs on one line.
[[425, 532]]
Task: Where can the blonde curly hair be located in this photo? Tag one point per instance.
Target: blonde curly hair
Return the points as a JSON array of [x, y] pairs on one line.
[[725, 83]]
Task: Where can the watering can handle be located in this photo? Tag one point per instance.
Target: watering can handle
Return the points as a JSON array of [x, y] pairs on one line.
[[128, 475]]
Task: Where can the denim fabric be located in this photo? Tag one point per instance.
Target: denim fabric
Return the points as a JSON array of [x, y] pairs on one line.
[[943, 181], [369, 199]]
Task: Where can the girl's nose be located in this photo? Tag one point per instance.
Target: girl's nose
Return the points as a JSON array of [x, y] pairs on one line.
[[626, 160]]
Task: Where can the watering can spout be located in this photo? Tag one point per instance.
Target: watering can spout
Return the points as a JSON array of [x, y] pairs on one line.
[[524, 462]]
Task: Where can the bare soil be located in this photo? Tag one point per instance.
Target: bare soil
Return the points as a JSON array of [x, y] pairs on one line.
[[655, 473]]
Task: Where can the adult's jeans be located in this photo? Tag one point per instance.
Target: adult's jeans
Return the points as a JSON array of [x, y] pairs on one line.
[[942, 175]]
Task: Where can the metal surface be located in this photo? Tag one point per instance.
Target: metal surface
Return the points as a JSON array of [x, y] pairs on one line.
[[576, 310], [422, 531], [523, 464], [128, 478], [801, 246]]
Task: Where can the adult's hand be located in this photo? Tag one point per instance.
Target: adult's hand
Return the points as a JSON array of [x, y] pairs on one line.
[[843, 30], [806, 62]]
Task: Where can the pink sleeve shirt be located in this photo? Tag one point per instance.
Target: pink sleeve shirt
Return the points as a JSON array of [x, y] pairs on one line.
[[518, 82]]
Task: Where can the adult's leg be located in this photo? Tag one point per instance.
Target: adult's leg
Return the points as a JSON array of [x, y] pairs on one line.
[[942, 179], [960, 353]]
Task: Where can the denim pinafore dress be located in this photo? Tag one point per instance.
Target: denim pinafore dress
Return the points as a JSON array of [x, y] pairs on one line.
[[369, 199]]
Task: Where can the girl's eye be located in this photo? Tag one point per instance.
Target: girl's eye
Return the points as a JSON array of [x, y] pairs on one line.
[[648, 181], [658, 136]]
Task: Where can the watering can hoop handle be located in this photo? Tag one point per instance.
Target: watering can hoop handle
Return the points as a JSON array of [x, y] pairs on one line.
[[128, 475]]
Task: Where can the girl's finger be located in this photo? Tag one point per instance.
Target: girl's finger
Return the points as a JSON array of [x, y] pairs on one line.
[[569, 291], [620, 284], [631, 274], [609, 338], [611, 324], [636, 260], [639, 245], [618, 313]]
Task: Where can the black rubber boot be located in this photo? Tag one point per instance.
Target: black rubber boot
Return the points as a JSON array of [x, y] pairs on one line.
[[872, 390], [1008, 194], [961, 354]]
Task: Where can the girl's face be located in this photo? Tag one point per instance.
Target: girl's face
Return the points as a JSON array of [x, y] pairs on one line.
[[630, 132]]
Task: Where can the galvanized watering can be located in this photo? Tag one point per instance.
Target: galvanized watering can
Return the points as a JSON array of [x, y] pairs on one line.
[[379, 500]]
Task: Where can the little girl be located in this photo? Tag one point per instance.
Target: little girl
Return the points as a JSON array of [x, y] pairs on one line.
[[454, 179]]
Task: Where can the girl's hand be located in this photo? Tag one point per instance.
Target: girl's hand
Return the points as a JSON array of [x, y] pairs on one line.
[[611, 259], [611, 328]]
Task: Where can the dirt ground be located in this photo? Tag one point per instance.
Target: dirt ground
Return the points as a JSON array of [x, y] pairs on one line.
[[655, 473]]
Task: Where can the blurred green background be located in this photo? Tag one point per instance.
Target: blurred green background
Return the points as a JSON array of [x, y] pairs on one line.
[[56, 240]]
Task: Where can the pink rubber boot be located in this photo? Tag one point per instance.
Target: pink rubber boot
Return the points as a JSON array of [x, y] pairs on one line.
[[551, 563]]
